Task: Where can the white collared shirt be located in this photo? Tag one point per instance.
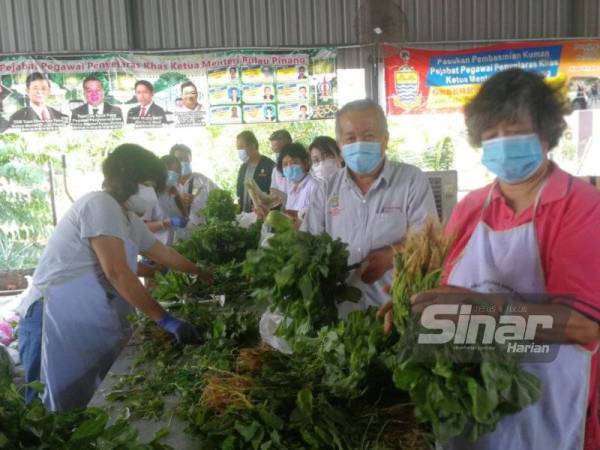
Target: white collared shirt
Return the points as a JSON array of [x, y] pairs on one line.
[[400, 198], [300, 194]]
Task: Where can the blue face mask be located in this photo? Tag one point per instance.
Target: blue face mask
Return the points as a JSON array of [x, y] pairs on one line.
[[362, 157], [513, 158], [172, 178], [294, 173], [186, 168]]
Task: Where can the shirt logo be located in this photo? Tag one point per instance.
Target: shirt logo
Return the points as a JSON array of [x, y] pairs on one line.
[[333, 212], [334, 201]]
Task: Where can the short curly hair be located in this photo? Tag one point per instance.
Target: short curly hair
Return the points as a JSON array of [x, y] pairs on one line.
[[127, 166], [509, 94]]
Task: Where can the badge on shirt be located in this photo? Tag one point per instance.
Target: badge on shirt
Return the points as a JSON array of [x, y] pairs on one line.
[[334, 201], [262, 173], [334, 206]]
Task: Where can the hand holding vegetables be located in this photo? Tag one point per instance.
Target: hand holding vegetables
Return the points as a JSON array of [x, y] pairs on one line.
[[378, 262], [183, 331]]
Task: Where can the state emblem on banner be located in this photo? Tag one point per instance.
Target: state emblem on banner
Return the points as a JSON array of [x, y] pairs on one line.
[[407, 84]]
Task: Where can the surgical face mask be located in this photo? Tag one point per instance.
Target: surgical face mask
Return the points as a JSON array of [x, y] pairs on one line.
[[142, 201], [324, 169], [362, 157], [172, 178], [186, 168], [243, 155], [294, 173], [513, 158]]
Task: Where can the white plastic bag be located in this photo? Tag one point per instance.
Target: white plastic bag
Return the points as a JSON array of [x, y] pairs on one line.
[[246, 219], [269, 322]]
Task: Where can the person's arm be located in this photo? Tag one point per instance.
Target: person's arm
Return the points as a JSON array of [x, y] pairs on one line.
[[378, 262], [169, 257], [110, 252], [158, 225]]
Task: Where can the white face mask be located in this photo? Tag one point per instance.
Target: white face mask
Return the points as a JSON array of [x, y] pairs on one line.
[[142, 201], [243, 154], [324, 169]]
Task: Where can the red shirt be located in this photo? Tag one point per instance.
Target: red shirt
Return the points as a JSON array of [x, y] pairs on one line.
[[568, 231]]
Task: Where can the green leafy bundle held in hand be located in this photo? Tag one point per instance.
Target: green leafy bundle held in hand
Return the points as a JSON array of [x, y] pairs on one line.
[[456, 392], [301, 276]]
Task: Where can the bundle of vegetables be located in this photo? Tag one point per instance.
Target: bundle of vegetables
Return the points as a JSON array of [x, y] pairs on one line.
[[32, 427], [176, 286], [301, 276], [456, 393], [282, 403], [221, 240], [220, 207], [220, 243]]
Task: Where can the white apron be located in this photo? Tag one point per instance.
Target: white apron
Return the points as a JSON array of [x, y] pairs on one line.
[[508, 261], [84, 329]]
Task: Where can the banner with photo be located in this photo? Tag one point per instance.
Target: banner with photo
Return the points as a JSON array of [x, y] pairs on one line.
[[420, 81], [135, 90]]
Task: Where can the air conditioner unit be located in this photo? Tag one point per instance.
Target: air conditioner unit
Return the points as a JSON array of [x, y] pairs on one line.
[[444, 185]]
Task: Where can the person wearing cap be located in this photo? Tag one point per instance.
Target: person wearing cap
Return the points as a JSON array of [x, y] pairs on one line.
[[279, 185], [370, 203], [193, 188]]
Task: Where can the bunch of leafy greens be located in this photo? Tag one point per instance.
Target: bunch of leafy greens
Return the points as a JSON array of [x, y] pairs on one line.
[[220, 207], [301, 276], [219, 243], [458, 393], [221, 240], [32, 427]]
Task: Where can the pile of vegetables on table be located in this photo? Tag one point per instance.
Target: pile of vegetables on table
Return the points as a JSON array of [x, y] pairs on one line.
[[346, 385]]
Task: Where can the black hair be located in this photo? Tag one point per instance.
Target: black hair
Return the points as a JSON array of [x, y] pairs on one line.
[[509, 94], [170, 160], [35, 76], [187, 84], [92, 78], [294, 150], [129, 165], [326, 145], [181, 148], [145, 83], [248, 137]]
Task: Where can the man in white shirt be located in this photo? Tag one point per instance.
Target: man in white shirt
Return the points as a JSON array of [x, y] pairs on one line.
[[371, 203], [279, 185]]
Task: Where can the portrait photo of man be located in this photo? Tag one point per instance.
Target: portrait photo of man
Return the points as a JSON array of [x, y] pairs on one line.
[[268, 93], [37, 90], [144, 93], [303, 112], [189, 98], [302, 73], [93, 91]]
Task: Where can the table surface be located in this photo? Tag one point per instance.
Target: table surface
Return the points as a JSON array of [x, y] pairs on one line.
[[177, 438]]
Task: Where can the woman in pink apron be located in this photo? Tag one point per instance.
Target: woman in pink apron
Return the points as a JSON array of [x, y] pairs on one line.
[[534, 230], [75, 317]]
